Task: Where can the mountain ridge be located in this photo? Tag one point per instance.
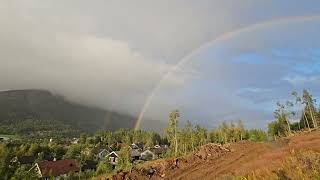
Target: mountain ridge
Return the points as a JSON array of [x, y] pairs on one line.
[[25, 104]]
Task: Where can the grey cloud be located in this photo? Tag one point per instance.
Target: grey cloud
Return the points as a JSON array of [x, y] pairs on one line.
[[112, 53]]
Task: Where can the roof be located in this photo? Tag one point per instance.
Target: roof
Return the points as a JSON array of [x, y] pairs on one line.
[[122, 145], [135, 153], [98, 150], [56, 168], [26, 159], [158, 151], [134, 146], [147, 152], [113, 154]]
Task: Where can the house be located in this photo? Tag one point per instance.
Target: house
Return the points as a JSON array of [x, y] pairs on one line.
[[159, 150], [100, 153], [134, 146], [120, 145], [135, 154], [147, 155], [57, 169], [75, 141], [113, 158], [137, 146]]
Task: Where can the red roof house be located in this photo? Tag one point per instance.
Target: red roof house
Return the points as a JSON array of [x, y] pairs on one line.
[[57, 168]]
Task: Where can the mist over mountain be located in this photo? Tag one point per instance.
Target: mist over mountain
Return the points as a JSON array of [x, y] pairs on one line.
[[113, 54], [19, 106]]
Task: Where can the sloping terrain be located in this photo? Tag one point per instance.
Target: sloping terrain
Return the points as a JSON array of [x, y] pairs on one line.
[[215, 162], [19, 106]]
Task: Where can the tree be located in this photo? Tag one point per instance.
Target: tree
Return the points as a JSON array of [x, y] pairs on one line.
[[83, 138], [274, 129], [172, 130], [23, 172], [281, 113], [5, 156], [304, 117], [290, 112], [201, 135], [190, 135], [240, 130], [214, 136], [183, 140], [309, 106], [224, 129], [103, 167], [73, 151], [124, 160], [257, 135]]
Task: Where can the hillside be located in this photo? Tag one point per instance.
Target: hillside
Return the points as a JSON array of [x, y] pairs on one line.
[[212, 161], [25, 110]]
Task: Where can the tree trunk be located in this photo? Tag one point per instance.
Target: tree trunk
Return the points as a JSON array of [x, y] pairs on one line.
[[306, 119], [175, 138], [289, 128], [192, 143], [312, 117]]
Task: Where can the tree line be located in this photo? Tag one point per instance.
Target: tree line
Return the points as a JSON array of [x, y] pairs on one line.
[[297, 114], [190, 137]]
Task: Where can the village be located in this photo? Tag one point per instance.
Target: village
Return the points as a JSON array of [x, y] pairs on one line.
[[48, 165]]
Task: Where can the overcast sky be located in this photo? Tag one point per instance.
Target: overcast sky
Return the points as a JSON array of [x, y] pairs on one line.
[[112, 53]]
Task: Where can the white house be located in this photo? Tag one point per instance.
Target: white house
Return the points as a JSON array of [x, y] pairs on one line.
[[113, 158]]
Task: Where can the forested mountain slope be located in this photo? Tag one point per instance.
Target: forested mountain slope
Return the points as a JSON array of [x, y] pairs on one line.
[[26, 111]]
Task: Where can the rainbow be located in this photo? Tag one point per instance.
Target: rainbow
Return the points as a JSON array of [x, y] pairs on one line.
[[217, 39]]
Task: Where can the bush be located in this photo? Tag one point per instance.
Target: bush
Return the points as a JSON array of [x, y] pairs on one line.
[[124, 160], [302, 165], [103, 167]]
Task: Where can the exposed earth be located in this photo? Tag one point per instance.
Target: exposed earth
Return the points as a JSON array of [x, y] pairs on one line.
[[213, 161]]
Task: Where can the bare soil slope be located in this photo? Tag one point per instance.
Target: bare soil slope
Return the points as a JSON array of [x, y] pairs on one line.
[[213, 161]]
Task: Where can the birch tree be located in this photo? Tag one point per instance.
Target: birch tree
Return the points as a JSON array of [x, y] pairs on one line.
[[172, 130]]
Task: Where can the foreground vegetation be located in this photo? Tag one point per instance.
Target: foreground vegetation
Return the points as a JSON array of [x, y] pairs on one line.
[[299, 165]]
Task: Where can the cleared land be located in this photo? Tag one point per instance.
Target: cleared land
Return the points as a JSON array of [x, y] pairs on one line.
[[216, 162]]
